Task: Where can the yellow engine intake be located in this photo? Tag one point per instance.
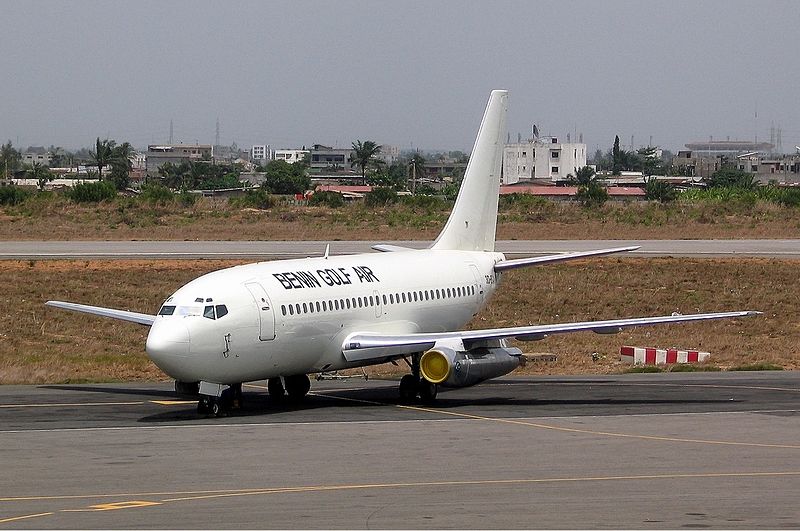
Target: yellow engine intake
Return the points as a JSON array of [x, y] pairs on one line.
[[435, 366]]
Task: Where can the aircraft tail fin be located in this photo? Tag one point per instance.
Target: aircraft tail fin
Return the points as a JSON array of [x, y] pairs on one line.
[[473, 221]]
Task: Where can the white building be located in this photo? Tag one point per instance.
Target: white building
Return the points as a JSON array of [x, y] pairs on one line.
[[290, 155], [260, 153], [542, 158]]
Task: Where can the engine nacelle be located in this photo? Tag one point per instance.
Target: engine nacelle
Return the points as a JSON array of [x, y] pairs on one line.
[[450, 368]]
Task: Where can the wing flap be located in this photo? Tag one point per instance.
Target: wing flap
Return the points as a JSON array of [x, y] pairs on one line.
[[372, 346], [124, 315], [505, 265]]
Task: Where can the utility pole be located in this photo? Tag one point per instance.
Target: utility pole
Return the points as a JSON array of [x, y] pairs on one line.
[[170, 132]]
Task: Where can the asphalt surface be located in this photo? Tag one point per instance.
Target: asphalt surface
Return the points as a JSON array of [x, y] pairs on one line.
[[719, 450], [24, 250]]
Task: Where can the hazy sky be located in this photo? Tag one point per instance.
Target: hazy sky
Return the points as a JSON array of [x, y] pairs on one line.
[[400, 73]]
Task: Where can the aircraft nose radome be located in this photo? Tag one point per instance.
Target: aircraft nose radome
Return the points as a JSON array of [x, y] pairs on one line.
[[166, 341]]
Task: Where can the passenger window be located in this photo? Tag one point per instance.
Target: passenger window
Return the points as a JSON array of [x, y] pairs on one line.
[[325, 306], [167, 310], [336, 304], [305, 308], [297, 308], [291, 310], [404, 297], [283, 309], [384, 300], [208, 312], [222, 310], [317, 306]]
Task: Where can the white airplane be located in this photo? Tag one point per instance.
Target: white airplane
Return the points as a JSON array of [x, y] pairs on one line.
[[283, 320]]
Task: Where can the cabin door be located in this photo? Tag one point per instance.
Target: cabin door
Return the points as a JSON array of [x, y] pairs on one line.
[[266, 317]]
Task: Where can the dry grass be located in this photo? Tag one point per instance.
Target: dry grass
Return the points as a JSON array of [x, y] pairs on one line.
[[44, 345], [213, 219]]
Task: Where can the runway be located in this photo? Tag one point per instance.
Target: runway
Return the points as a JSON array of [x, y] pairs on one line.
[[29, 250], [633, 451]]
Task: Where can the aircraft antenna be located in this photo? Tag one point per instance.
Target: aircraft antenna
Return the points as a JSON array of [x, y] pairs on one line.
[[327, 250]]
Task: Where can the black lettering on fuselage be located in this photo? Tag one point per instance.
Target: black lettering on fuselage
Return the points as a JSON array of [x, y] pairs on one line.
[[346, 275], [365, 274], [282, 279]]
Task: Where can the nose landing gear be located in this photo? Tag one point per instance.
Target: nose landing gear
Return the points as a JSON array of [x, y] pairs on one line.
[[219, 400]]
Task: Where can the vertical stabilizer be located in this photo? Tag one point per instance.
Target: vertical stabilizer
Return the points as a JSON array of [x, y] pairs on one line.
[[472, 224]]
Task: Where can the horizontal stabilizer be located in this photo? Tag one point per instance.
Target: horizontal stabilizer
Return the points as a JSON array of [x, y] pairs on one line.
[[505, 265], [371, 346], [388, 248], [133, 317]]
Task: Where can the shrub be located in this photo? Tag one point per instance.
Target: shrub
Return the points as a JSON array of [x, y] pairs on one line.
[[524, 201], [13, 195], [156, 193], [660, 191], [92, 192], [427, 202], [329, 199], [380, 197], [253, 198], [592, 195]]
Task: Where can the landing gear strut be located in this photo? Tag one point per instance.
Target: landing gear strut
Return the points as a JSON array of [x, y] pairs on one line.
[[296, 386], [412, 385], [222, 402]]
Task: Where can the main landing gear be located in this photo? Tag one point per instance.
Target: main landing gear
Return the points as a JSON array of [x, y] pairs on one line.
[[221, 401], [296, 386], [412, 385]]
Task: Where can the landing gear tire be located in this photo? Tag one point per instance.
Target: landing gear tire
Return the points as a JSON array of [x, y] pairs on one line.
[[408, 388], [297, 386], [204, 405], [427, 391], [275, 389]]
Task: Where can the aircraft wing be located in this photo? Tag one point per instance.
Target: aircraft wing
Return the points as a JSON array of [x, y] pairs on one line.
[[372, 346], [133, 317], [561, 257]]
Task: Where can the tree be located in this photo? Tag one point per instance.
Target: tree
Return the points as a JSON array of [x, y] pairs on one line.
[[616, 163], [284, 178], [41, 173], [365, 155], [732, 178], [661, 191], [9, 159], [585, 176], [121, 164], [102, 154], [593, 194]]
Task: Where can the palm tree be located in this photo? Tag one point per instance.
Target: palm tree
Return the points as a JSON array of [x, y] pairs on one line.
[[102, 154], [121, 164], [364, 156]]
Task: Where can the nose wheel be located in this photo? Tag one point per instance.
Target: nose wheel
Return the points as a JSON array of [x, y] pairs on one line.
[[229, 399]]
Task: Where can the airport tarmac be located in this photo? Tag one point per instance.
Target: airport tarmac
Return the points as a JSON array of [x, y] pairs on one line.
[[25, 250], [697, 450]]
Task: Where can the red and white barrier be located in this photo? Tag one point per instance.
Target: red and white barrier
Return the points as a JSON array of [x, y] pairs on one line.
[[657, 356]]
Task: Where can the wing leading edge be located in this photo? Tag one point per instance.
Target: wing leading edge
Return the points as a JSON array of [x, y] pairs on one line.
[[133, 317], [562, 257], [368, 346]]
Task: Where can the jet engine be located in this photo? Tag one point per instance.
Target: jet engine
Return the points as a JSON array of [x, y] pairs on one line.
[[451, 368]]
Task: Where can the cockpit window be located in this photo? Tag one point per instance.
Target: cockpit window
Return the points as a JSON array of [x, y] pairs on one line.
[[215, 312], [166, 310]]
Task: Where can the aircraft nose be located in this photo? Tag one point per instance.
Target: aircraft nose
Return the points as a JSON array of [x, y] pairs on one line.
[[166, 341]]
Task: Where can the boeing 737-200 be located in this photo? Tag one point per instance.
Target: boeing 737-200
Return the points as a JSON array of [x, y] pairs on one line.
[[283, 320]]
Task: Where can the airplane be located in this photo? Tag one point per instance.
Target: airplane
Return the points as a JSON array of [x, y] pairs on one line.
[[282, 320]]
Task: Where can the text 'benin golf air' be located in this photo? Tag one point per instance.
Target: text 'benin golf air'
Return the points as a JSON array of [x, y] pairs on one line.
[[283, 320]]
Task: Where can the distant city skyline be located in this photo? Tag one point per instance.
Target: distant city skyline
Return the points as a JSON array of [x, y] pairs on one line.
[[407, 74]]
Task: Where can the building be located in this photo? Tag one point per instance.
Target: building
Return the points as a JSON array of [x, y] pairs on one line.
[[37, 154], [542, 158], [260, 153], [324, 157], [158, 155], [389, 154], [290, 155]]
